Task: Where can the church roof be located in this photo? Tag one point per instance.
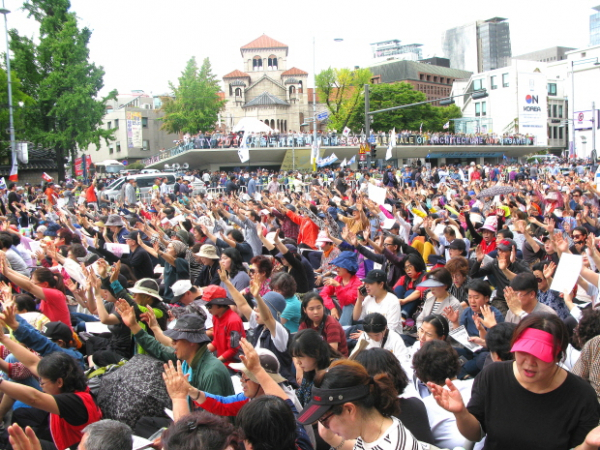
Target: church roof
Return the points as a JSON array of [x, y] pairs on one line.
[[266, 99], [294, 71], [264, 42], [237, 74]]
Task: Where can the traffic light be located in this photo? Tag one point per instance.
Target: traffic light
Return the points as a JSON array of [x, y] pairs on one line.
[[373, 151]]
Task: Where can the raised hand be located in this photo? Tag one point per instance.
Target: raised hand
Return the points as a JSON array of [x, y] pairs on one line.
[[23, 440], [102, 268], [223, 275], [549, 269], [489, 319], [176, 381], [250, 357], [126, 312], [9, 317], [150, 318], [254, 288], [479, 253], [512, 300], [114, 276], [449, 399], [451, 314]]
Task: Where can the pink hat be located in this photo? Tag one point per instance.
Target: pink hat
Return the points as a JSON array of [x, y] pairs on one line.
[[537, 343], [323, 237], [491, 224]]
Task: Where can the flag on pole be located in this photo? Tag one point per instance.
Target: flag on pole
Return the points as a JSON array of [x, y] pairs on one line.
[[352, 160], [46, 177], [391, 145], [14, 168], [2, 183], [344, 163], [244, 151], [314, 155], [346, 131], [447, 125], [421, 128]]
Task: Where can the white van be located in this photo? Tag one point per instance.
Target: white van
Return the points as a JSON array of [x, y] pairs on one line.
[[145, 181], [543, 159]]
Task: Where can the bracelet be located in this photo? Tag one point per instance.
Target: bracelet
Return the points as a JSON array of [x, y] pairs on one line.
[[197, 396], [339, 446]]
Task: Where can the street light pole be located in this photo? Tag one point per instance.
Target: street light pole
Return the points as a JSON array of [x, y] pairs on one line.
[[572, 104], [315, 145], [11, 122]]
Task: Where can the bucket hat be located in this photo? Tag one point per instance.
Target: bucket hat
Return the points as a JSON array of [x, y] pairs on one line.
[[346, 260], [190, 328], [146, 286], [208, 251]]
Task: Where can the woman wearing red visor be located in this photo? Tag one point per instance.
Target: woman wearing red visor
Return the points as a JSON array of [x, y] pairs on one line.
[[530, 402]]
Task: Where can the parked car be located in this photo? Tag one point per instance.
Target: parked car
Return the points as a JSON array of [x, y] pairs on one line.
[[145, 181]]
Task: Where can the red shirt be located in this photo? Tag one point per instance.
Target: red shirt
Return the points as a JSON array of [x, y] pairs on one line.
[[222, 328], [332, 332], [90, 195], [309, 231], [346, 295], [54, 306], [66, 435]]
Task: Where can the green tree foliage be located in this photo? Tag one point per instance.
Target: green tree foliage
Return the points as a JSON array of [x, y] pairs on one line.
[[341, 90], [65, 112], [384, 96], [18, 96], [195, 103]]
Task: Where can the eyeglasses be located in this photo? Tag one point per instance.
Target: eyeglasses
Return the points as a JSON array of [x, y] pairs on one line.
[[389, 245], [522, 294], [576, 195], [245, 379], [577, 236], [325, 420], [209, 306]]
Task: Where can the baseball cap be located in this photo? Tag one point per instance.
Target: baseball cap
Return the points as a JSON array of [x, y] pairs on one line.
[[179, 289], [210, 292], [268, 361], [221, 301], [57, 330], [506, 245], [375, 276]]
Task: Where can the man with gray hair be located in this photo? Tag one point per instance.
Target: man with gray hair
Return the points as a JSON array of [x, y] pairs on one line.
[[106, 434]]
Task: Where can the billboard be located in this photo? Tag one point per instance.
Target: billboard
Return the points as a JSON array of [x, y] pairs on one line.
[[532, 104], [134, 129], [584, 120]]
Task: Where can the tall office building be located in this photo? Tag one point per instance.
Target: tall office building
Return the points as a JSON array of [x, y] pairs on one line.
[[478, 46], [595, 27]]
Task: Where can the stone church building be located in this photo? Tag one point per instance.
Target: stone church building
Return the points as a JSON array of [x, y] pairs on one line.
[[267, 89]]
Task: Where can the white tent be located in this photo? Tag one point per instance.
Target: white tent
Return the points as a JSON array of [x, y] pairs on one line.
[[252, 125]]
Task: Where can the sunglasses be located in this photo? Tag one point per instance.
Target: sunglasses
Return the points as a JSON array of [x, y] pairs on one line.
[[577, 236]]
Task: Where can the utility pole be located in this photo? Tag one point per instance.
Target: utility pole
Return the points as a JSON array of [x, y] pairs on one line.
[[367, 123]]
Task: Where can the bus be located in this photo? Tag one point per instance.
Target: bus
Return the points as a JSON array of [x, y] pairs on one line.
[[108, 167]]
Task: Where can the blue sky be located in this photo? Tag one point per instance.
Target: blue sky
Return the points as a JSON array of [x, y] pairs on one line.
[[144, 44]]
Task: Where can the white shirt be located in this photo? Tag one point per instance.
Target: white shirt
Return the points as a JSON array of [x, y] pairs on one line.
[[396, 437], [389, 308], [393, 343], [443, 423], [280, 340]]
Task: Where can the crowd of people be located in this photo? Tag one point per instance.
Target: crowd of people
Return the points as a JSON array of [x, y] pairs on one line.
[[395, 309]]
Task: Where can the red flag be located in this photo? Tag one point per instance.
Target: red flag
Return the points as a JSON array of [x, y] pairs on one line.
[[47, 177], [14, 169]]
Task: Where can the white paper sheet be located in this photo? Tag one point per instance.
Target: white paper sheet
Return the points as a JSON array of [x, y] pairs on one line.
[[567, 272], [96, 327], [377, 194], [117, 249], [388, 224], [461, 336], [139, 442]]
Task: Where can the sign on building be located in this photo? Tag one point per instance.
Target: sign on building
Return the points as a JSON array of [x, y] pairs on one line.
[[532, 104], [584, 120], [134, 129]]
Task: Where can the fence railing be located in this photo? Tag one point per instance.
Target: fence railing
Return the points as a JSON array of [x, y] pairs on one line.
[[334, 140]]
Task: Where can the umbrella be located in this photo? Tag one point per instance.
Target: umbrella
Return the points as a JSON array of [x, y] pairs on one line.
[[497, 190], [251, 125], [133, 391]]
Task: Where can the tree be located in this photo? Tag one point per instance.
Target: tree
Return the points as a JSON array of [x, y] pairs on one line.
[[342, 90], [195, 104], [384, 96], [18, 96], [65, 112]]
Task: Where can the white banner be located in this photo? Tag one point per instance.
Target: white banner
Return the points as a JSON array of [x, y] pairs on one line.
[[532, 104], [134, 129]]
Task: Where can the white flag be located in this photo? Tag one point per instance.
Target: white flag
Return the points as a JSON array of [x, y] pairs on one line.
[[392, 144], [344, 163], [346, 132], [244, 151], [314, 156], [447, 125], [352, 160]]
